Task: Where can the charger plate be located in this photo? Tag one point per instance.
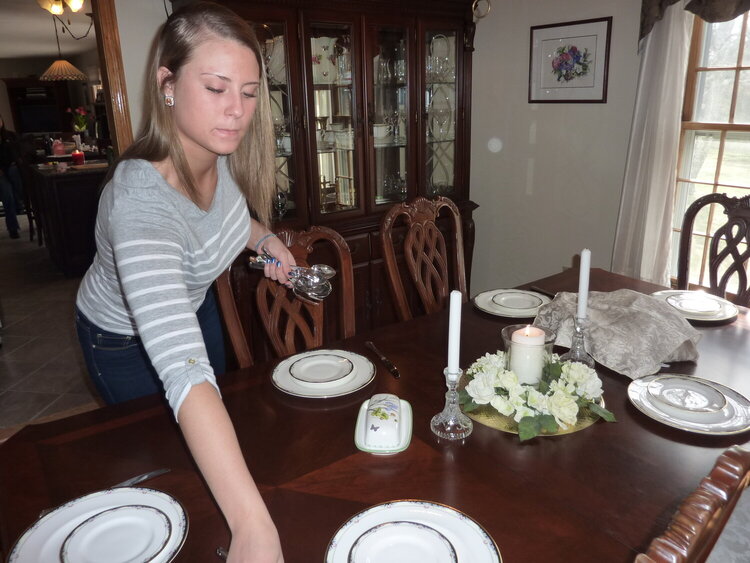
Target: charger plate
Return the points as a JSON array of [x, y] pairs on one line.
[[362, 373], [699, 305], [44, 539], [732, 418], [488, 416], [511, 303], [470, 541]]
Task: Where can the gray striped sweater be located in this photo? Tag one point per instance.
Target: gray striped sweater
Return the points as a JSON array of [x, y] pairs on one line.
[[157, 255]]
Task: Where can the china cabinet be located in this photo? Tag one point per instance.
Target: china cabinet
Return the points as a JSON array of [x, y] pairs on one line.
[[371, 107]]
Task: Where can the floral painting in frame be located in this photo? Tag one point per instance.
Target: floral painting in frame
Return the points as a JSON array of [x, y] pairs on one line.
[[569, 61]]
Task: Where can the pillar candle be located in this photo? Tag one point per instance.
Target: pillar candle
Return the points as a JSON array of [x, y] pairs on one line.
[[527, 354], [454, 333], [583, 284], [78, 157]]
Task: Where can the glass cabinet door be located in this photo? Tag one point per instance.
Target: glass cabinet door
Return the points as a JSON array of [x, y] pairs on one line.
[[440, 56], [337, 183], [388, 110], [273, 40]]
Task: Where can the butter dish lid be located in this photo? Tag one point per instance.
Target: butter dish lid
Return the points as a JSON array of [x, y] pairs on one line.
[[384, 425]]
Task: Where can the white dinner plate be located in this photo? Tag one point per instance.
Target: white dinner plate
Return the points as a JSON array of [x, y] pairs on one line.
[[363, 372], [469, 540], [698, 305], [513, 303], [132, 533], [43, 540], [402, 542], [322, 369], [733, 418]]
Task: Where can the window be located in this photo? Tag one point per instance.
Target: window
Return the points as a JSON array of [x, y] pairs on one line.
[[715, 141]]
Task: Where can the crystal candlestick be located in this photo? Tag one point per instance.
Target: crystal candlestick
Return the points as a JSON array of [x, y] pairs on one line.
[[577, 352], [451, 423]]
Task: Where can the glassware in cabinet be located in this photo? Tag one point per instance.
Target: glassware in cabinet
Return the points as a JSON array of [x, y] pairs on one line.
[[274, 45], [333, 107], [388, 110], [440, 112]]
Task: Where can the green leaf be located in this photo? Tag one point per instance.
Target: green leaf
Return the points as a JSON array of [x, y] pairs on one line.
[[463, 396], [528, 428], [543, 386], [601, 411], [548, 423], [470, 406]]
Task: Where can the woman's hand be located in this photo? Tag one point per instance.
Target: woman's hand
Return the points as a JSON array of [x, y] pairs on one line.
[[278, 270], [256, 542]]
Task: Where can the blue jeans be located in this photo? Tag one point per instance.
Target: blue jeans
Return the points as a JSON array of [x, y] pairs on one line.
[[119, 365], [10, 189]]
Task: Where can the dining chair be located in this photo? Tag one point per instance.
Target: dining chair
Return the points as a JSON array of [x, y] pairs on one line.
[[700, 519], [293, 324], [729, 246], [432, 263]]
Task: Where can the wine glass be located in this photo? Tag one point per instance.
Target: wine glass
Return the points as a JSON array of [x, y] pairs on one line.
[[280, 123], [279, 203]]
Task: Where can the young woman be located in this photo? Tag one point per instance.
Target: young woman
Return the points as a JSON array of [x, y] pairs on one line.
[[172, 217]]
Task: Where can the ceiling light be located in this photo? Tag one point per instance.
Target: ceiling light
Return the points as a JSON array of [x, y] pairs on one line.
[[74, 5], [61, 69]]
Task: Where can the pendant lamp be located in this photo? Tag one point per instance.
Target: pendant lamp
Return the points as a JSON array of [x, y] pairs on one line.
[[61, 69]]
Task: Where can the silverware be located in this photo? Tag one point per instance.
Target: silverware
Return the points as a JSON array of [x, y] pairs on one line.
[[140, 478], [543, 291], [126, 483], [222, 553], [386, 362]]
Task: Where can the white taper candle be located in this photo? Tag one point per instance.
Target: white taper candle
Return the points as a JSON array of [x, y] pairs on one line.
[[454, 333], [583, 284]]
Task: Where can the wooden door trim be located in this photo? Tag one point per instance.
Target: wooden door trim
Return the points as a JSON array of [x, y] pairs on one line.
[[113, 73]]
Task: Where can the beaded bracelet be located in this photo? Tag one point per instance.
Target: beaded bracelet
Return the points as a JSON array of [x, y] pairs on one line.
[[257, 244]]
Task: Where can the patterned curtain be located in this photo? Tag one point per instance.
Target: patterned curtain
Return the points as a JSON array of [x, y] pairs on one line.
[[709, 10]]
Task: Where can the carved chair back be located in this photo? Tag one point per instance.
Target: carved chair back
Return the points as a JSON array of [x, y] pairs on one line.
[[293, 324], [426, 254], [701, 517], [727, 259]]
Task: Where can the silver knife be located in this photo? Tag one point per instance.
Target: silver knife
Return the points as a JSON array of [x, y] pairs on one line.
[[386, 362], [135, 480]]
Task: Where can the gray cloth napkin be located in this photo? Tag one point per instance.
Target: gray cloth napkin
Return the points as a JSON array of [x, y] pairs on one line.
[[628, 332]]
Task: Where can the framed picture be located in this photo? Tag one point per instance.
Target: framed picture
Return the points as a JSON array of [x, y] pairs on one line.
[[569, 62]]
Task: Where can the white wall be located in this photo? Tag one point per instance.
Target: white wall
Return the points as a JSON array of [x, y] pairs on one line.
[[555, 186], [138, 22]]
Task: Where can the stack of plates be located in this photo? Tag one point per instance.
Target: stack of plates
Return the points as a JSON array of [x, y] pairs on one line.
[[699, 305], [323, 373], [513, 303], [121, 525], [691, 404], [412, 530]]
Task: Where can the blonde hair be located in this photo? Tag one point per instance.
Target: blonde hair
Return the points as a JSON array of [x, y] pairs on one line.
[[252, 163]]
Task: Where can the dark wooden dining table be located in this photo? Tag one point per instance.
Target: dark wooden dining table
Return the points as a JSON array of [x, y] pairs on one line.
[[597, 495]]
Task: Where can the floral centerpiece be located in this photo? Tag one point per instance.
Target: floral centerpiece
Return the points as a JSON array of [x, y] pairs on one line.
[[565, 388], [81, 118]]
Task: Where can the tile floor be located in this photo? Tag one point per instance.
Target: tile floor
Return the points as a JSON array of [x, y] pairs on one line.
[[42, 373]]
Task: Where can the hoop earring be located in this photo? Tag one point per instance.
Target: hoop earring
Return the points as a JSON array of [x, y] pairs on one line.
[[169, 101]]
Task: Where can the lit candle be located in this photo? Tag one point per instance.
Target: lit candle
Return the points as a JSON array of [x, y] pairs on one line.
[[583, 283], [78, 157], [527, 354], [454, 333]]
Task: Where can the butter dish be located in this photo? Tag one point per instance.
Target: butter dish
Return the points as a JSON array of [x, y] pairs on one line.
[[384, 425]]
